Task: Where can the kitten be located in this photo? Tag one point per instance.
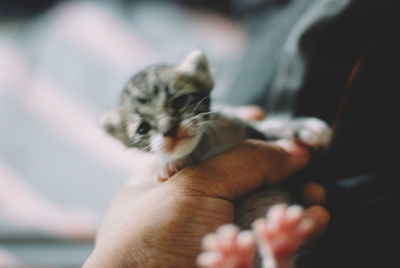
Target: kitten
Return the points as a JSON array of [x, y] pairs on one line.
[[165, 109]]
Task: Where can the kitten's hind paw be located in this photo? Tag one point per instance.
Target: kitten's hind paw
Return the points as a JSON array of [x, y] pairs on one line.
[[281, 234], [228, 248], [314, 133]]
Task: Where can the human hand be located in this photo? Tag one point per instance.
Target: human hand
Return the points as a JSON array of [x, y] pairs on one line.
[[163, 226]]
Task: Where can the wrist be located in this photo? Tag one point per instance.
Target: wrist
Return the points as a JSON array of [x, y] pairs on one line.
[[108, 258]]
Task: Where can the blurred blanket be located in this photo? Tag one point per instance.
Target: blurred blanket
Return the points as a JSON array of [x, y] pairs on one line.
[[61, 69]]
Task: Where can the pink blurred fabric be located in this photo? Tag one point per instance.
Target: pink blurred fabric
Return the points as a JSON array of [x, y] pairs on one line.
[[21, 203]]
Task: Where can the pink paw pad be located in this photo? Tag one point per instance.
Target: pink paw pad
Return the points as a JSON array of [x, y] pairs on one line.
[[228, 248], [281, 234]]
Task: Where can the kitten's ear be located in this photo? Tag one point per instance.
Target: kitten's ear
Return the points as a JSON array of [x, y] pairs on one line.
[[111, 123], [195, 64]]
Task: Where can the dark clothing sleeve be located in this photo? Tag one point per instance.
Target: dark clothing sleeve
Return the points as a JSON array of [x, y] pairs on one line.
[[366, 138], [360, 170]]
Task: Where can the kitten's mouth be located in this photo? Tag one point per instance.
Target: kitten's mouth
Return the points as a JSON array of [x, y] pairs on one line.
[[183, 144], [173, 143]]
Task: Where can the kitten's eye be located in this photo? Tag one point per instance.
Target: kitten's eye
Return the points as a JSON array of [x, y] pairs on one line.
[[143, 100], [143, 128], [181, 101]]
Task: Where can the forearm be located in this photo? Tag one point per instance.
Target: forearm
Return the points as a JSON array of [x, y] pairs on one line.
[[102, 258]]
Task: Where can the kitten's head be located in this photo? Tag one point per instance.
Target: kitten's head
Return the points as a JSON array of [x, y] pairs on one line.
[[163, 107]]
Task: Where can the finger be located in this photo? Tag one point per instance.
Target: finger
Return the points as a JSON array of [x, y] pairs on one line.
[[314, 194], [226, 236], [260, 228], [249, 112], [209, 242], [276, 216], [320, 218], [245, 167], [293, 217], [305, 228], [246, 240], [209, 259]]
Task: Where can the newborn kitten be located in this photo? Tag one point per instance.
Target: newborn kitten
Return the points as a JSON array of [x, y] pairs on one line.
[[165, 109]]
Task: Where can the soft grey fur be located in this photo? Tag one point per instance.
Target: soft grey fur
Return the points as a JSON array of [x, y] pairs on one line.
[[155, 94], [150, 96], [168, 97]]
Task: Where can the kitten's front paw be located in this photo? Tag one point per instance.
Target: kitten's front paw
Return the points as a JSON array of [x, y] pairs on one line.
[[281, 234], [314, 133], [228, 248], [171, 168]]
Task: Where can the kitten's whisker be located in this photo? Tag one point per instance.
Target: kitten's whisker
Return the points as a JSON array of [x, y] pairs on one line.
[[193, 119], [156, 144], [153, 145], [199, 124], [199, 103], [202, 114], [148, 146], [134, 143]]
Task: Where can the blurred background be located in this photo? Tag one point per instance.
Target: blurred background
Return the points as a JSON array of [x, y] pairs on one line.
[[64, 63]]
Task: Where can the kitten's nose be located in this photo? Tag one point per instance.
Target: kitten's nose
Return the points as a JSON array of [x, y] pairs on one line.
[[168, 126], [171, 132]]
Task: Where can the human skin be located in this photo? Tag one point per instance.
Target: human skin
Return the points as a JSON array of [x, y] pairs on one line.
[[162, 226]]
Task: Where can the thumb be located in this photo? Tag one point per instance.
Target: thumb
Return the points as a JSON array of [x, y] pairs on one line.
[[246, 167]]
